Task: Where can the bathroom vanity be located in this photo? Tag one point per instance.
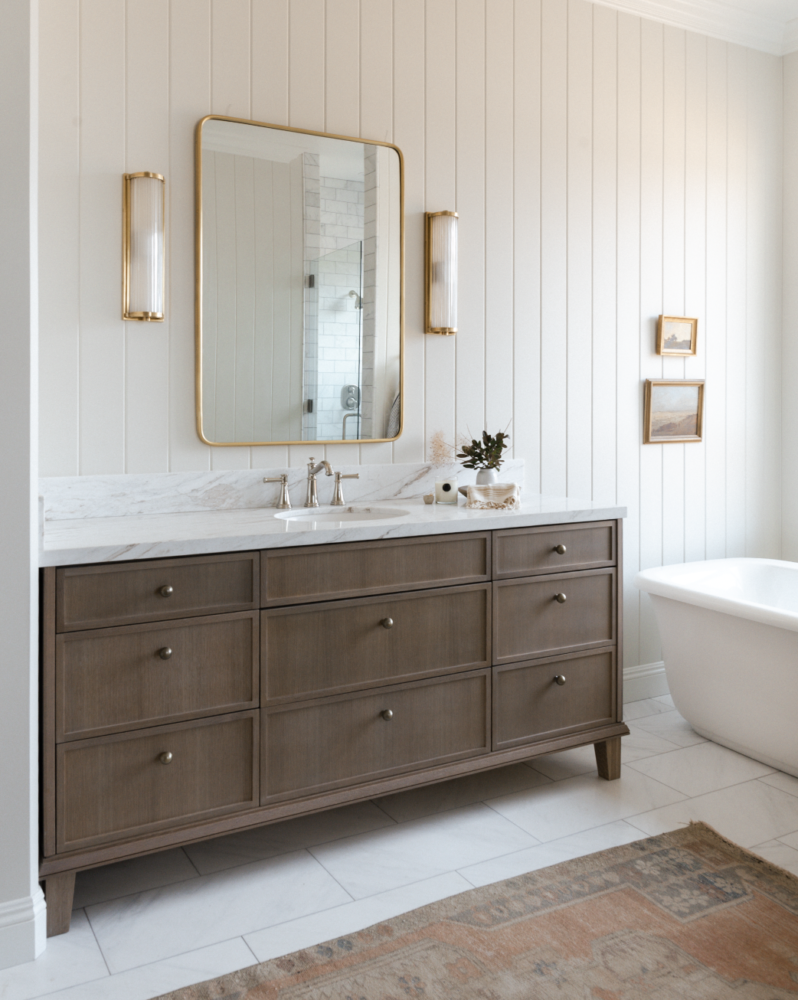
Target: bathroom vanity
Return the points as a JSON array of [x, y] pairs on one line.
[[187, 697]]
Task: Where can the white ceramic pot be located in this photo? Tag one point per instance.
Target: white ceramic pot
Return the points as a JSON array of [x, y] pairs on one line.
[[487, 476]]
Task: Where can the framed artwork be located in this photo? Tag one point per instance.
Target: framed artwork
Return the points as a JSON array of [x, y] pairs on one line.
[[677, 335], [674, 411]]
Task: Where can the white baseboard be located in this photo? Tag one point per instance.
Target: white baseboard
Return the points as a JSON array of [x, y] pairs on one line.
[[646, 681], [23, 929]]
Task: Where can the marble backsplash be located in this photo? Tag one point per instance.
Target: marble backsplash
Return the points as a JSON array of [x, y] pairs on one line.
[[71, 497]]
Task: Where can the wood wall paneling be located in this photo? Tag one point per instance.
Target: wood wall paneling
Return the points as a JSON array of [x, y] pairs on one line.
[[606, 169]]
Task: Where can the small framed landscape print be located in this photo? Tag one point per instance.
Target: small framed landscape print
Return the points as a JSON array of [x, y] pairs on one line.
[[674, 411], [676, 335]]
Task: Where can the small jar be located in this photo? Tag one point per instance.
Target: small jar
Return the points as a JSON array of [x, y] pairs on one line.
[[446, 491]]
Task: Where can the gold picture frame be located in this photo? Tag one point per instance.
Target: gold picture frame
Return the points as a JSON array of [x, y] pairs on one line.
[[674, 411], [671, 340]]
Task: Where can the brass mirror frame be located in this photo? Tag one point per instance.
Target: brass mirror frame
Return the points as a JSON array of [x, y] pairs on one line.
[[198, 282]]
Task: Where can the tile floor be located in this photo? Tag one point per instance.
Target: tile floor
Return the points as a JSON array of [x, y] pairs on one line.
[[146, 927]]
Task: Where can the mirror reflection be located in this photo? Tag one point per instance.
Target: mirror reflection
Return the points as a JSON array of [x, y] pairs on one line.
[[300, 286]]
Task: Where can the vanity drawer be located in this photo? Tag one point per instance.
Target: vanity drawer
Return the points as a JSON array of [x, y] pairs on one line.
[[326, 572], [345, 740], [116, 787], [529, 704], [528, 551], [100, 596], [343, 645], [528, 620], [116, 679]]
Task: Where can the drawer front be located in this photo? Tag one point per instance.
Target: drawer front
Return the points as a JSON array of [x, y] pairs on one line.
[[529, 704], [112, 680], [116, 787], [528, 620], [344, 645], [101, 596], [528, 551], [326, 572], [345, 740]]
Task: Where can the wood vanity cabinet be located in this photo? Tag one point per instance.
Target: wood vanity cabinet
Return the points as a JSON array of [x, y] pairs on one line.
[[187, 698]]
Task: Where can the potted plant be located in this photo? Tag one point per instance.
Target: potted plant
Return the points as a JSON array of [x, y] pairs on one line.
[[485, 456]]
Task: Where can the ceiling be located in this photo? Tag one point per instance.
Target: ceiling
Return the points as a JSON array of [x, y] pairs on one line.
[[769, 25]]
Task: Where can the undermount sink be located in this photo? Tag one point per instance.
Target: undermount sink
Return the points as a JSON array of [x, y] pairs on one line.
[[341, 515]]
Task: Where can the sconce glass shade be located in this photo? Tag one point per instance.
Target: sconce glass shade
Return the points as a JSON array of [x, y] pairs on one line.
[[143, 251], [442, 272]]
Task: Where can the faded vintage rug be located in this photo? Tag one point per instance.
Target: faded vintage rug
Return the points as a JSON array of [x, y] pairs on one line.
[[683, 916]]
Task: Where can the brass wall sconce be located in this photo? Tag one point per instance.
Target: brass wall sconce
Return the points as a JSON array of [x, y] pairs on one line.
[[441, 247], [143, 256]]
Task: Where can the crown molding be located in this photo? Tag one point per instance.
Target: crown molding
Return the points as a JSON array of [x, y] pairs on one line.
[[718, 20]]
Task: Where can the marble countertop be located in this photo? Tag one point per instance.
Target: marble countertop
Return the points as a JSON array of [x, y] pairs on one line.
[[159, 535]]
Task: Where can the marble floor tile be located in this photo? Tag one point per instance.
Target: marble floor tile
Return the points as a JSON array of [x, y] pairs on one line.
[[532, 858], [640, 709], [670, 726], [702, 768], [640, 744], [576, 804], [70, 959], [786, 782], [465, 791], [150, 981], [778, 853], [160, 923], [282, 838], [112, 881], [748, 814], [566, 763], [344, 920], [791, 839], [666, 700], [420, 849]]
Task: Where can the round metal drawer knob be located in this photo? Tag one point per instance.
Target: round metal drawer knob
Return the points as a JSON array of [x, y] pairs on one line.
[[560, 598], [560, 549], [165, 653], [387, 714], [166, 591], [387, 623], [166, 757], [560, 679]]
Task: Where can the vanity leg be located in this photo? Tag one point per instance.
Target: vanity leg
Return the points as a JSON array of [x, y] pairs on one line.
[[608, 758], [59, 891]]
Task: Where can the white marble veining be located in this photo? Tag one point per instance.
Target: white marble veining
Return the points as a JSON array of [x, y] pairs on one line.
[[73, 497], [90, 539]]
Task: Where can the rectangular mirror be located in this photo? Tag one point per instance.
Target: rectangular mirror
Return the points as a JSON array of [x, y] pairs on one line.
[[300, 286]]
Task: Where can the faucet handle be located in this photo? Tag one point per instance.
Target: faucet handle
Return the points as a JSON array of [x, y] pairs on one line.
[[285, 501], [338, 494]]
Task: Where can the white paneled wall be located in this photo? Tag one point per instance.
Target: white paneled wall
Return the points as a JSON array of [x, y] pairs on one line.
[[790, 346], [605, 168]]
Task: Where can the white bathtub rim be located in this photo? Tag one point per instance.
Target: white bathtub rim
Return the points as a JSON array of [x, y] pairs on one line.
[[663, 581]]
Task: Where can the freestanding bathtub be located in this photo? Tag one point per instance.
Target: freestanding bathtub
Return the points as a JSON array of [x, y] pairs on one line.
[[729, 630]]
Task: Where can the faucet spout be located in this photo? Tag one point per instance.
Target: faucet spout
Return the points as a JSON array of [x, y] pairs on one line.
[[312, 499]]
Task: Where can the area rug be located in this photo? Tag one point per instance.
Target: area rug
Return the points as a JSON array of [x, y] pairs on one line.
[[683, 916]]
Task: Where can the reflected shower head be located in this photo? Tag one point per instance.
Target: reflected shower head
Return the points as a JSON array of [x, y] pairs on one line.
[[358, 300]]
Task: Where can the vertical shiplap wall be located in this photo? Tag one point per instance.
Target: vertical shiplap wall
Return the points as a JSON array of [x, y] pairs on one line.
[[790, 343], [605, 168]]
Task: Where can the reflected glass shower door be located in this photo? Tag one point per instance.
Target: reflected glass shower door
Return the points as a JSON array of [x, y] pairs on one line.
[[333, 345]]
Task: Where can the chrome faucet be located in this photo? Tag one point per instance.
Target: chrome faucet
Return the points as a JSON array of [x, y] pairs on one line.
[[313, 497]]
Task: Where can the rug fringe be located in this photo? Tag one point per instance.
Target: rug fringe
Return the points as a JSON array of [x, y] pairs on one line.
[[773, 868]]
